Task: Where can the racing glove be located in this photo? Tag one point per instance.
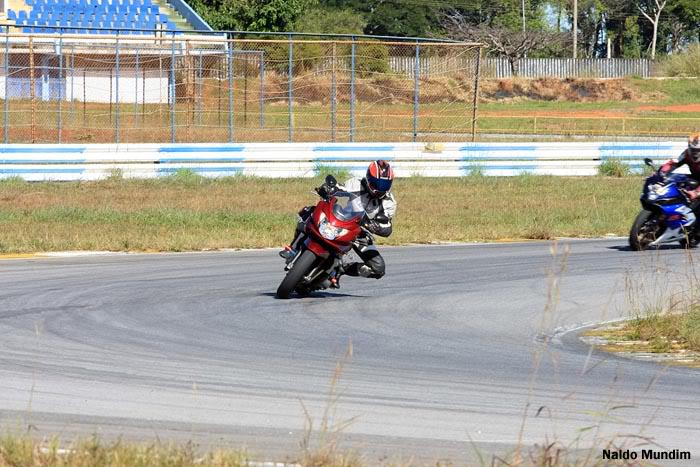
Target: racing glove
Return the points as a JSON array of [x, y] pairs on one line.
[[692, 195]]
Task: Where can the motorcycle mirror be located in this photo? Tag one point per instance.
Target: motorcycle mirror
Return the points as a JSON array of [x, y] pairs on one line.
[[648, 162], [331, 182]]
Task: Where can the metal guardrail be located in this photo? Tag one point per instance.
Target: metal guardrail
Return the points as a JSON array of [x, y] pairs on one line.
[[97, 161]]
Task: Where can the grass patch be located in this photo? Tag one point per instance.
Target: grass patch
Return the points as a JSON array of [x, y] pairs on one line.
[[665, 319], [659, 332], [22, 451], [682, 64], [614, 168], [189, 212], [323, 170]]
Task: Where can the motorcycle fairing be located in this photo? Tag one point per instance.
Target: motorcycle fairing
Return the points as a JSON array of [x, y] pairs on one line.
[[678, 215]]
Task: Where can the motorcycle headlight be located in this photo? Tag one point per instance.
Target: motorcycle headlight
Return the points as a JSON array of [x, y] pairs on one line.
[[327, 230]]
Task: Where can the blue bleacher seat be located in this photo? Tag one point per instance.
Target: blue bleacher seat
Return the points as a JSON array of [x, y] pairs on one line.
[[92, 16], [11, 15]]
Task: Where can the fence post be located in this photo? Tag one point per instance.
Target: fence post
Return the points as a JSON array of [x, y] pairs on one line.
[[189, 92], [352, 91], [290, 71], [32, 91], [116, 91], [136, 90], [230, 90], [262, 89], [334, 94], [60, 86], [85, 98], [416, 74], [199, 91], [172, 89], [245, 91], [6, 123], [72, 85], [476, 94]]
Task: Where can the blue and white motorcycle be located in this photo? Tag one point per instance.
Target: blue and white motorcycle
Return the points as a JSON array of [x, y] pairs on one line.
[[666, 216]]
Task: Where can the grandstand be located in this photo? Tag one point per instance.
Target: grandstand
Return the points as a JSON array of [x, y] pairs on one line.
[[100, 51], [130, 17]]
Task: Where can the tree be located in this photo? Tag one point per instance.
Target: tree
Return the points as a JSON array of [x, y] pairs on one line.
[[252, 15], [652, 12], [683, 21], [630, 38], [512, 44], [324, 19], [394, 17]]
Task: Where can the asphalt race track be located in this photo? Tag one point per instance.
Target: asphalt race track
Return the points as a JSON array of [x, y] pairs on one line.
[[454, 352]]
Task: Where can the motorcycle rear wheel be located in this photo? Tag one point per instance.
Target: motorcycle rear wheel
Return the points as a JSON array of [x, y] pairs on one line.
[[647, 227], [294, 276]]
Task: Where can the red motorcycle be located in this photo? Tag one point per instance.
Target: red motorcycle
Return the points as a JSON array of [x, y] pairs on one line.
[[330, 232]]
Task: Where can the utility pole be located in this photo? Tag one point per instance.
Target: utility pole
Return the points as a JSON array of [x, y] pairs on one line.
[[523, 15], [575, 26]]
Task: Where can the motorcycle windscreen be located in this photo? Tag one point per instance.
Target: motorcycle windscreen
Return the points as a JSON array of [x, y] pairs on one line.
[[347, 207]]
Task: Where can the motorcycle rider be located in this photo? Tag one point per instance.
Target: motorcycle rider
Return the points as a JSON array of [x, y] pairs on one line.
[[374, 190], [691, 158]]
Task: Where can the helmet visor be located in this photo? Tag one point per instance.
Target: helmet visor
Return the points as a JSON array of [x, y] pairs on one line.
[[379, 185]]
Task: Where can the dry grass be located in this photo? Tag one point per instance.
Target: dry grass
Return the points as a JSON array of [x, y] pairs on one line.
[[567, 90], [25, 452], [193, 213], [664, 310]]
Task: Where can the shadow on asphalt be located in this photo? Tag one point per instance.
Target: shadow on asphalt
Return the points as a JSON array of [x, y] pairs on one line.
[[312, 295], [627, 248]]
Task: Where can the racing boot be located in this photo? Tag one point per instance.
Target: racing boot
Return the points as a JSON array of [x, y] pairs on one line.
[[287, 253], [335, 278], [290, 251], [358, 270]]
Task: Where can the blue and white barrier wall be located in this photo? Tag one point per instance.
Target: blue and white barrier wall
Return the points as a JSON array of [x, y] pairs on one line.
[[37, 162]]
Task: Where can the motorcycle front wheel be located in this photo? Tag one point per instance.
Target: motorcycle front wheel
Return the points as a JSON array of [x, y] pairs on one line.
[[294, 276], [647, 227]]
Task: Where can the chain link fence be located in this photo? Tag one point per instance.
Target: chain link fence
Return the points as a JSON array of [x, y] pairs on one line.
[[63, 88]]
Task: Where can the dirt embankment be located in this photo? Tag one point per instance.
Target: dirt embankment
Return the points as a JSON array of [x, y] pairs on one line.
[[567, 90], [395, 90]]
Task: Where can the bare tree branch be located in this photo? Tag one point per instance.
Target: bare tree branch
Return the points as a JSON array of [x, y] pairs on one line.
[[514, 45], [654, 21]]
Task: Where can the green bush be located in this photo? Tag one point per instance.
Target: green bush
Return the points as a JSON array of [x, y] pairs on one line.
[[476, 171], [186, 177], [614, 168], [305, 56], [340, 173], [371, 58], [682, 64], [13, 180]]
